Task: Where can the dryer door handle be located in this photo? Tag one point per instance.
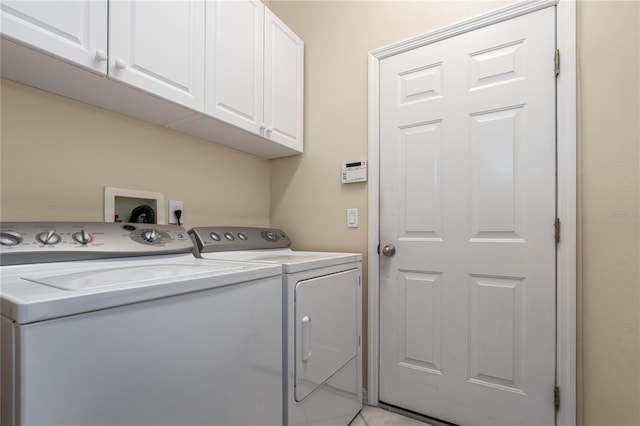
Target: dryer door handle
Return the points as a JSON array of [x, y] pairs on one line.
[[306, 338]]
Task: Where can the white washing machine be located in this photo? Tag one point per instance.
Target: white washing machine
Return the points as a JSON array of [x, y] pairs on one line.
[[118, 324], [322, 295]]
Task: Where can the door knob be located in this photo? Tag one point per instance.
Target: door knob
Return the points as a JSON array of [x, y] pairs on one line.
[[389, 250]]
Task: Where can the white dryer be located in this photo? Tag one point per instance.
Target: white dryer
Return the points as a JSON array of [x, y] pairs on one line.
[[322, 325], [114, 324]]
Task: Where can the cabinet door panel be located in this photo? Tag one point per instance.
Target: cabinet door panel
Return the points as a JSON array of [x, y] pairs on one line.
[[284, 61], [234, 62], [159, 47], [72, 30]]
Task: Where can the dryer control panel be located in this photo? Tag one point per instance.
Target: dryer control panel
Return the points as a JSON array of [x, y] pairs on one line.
[[39, 242], [231, 238]]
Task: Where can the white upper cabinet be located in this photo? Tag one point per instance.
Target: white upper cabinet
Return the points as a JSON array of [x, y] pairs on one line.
[[254, 71], [234, 62], [228, 71], [283, 83], [75, 31], [158, 47]]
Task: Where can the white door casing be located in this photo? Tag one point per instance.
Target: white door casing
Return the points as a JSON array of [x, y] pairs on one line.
[[566, 207], [467, 196]]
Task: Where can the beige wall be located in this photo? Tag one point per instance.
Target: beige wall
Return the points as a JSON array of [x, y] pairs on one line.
[[609, 48], [57, 155], [308, 199]]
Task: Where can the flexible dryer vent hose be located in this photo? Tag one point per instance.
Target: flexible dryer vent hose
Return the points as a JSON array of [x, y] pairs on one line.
[[147, 211]]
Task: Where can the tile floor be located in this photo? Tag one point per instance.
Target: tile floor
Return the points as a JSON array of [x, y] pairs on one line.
[[374, 416]]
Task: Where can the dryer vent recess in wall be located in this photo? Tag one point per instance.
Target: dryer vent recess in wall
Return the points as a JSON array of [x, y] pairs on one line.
[[123, 205]]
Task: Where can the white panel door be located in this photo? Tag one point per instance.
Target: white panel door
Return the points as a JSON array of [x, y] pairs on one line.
[[73, 30], [284, 90], [467, 178], [234, 62], [158, 47]]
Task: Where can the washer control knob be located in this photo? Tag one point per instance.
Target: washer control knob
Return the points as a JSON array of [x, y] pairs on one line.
[[215, 236], [83, 237], [10, 239], [243, 236], [151, 236], [48, 237], [229, 236], [270, 236]]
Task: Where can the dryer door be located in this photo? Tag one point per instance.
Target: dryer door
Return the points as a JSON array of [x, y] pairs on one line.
[[326, 328]]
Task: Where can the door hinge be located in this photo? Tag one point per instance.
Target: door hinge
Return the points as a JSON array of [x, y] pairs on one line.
[[556, 226], [556, 62], [556, 397]]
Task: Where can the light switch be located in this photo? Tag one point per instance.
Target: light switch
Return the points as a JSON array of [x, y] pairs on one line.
[[352, 218]]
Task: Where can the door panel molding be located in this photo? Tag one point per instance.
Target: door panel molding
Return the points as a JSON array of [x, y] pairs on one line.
[[566, 181], [509, 12]]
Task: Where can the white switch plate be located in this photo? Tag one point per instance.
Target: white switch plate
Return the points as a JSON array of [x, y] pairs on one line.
[[173, 206], [352, 218]]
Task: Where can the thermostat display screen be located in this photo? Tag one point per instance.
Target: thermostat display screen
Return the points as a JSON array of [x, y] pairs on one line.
[[354, 171]]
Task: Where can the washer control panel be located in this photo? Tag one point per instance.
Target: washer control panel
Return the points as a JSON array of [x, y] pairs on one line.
[[230, 238], [38, 242]]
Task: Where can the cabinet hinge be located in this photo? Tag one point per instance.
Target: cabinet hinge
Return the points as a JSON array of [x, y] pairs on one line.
[[556, 398], [556, 227], [556, 62]]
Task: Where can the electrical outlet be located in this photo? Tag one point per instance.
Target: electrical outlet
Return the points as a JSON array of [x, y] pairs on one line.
[[173, 206]]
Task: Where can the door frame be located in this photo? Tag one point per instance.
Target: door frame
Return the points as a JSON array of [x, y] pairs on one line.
[[566, 189]]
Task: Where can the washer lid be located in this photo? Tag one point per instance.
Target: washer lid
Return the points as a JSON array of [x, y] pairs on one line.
[[127, 276], [47, 291]]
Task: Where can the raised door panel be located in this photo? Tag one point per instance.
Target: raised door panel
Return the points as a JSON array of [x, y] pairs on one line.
[[73, 30], [284, 90], [158, 47], [234, 62]]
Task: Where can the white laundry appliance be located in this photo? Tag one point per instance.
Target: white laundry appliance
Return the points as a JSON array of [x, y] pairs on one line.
[[118, 324], [322, 295]]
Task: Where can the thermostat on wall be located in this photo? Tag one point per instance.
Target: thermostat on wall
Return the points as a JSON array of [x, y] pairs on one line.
[[354, 171]]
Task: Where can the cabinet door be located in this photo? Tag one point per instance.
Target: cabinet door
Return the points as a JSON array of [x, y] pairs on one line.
[[325, 339], [284, 69], [234, 62], [158, 47], [73, 30]]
